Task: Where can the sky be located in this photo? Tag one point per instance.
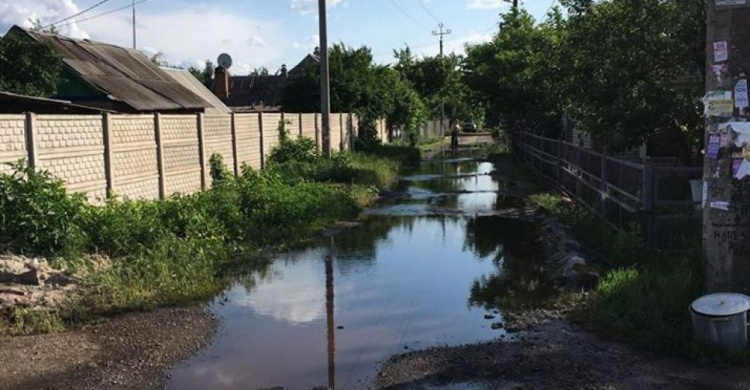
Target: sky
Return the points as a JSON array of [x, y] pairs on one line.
[[268, 33]]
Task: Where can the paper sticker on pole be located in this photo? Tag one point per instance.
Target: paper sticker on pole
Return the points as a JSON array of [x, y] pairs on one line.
[[719, 103], [721, 51]]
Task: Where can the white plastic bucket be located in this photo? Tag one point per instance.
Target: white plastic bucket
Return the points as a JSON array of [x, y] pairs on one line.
[[721, 320]]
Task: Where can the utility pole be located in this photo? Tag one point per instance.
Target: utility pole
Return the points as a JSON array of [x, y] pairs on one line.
[[325, 83], [515, 3], [134, 45], [441, 33], [726, 203]]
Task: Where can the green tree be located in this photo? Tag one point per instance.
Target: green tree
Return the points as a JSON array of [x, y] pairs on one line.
[[206, 75], [28, 67]]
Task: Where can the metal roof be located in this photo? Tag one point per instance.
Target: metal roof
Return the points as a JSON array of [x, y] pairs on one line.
[[124, 75]]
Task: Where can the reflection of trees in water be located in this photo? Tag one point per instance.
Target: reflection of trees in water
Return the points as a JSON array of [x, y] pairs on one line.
[[519, 275], [357, 247]]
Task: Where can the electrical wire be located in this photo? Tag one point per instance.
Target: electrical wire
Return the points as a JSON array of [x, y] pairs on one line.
[[404, 13], [77, 14], [424, 7], [104, 13], [447, 40]]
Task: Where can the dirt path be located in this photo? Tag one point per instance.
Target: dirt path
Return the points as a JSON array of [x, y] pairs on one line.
[[553, 355], [126, 352]]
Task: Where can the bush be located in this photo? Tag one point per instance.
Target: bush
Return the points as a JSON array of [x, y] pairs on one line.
[[37, 215], [301, 150]]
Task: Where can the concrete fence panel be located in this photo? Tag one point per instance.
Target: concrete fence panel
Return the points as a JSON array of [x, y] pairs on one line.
[[13, 137], [217, 131], [71, 147], [134, 156], [271, 123], [247, 128], [308, 126], [182, 167]]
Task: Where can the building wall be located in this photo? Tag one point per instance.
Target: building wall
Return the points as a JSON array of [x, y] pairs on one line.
[[120, 153]]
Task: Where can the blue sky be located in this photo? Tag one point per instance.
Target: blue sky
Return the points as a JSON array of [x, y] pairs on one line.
[[271, 32]]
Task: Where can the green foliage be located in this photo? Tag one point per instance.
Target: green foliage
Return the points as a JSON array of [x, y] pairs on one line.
[[218, 170], [360, 86], [205, 75], [301, 150], [28, 67], [37, 216], [647, 305], [611, 65]]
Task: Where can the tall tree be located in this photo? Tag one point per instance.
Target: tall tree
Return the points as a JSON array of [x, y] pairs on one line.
[[28, 67]]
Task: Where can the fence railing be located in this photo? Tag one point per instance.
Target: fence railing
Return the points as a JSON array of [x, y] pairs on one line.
[[622, 192]]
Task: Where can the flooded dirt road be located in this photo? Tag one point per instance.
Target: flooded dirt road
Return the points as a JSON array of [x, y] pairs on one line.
[[415, 274]]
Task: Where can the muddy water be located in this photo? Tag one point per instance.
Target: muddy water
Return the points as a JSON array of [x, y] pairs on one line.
[[426, 270]]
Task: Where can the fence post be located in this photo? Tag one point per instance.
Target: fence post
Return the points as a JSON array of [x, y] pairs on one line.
[[202, 150], [108, 159], [603, 187], [299, 122], [262, 142], [235, 154], [559, 161], [648, 202], [317, 133], [31, 138], [160, 156]]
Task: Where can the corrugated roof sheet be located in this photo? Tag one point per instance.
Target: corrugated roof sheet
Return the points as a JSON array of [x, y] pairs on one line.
[[187, 80], [125, 75]]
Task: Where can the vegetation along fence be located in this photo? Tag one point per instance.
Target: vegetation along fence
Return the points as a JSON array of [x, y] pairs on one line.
[[153, 156], [653, 193]]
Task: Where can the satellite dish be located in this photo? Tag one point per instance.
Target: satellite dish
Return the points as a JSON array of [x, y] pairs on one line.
[[225, 61]]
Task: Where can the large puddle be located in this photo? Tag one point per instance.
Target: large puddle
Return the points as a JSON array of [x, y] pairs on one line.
[[427, 270]]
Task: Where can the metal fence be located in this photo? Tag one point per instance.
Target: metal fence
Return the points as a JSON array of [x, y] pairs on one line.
[[651, 193]]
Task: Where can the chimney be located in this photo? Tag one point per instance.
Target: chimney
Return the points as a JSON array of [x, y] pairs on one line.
[[283, 71], [221, 82]]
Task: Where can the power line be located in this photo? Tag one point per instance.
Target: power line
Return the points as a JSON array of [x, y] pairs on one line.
[[424, 7], [447, 40], [404, 13], [77, 14], [104, 13]]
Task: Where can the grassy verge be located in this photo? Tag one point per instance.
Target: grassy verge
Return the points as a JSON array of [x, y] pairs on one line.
[[643, 297], [184, 248]]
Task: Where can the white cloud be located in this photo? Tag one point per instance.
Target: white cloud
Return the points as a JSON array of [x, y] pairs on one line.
[[311, 43], [309, 6], [22, 12], [485, 4], [190, 35]]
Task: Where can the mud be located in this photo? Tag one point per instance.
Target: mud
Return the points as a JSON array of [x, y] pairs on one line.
[[552, 354], [126, 352]]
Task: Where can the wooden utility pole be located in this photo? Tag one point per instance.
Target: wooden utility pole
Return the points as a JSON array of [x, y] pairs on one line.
[[325, 83], [726, 203], [441, 32]]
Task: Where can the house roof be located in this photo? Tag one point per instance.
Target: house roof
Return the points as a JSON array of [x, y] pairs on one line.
[[124, 75], [310, 59], [187, 80], [251, 91], [12, 103]]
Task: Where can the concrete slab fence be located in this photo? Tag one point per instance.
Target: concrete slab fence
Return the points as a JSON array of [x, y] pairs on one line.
[[154, 156]]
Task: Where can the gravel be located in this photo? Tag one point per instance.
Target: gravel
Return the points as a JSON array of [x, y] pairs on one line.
[[131, 351]]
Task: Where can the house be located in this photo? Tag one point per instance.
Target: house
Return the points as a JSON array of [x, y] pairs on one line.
[[254, 93], [115, 78], [12, 103], [187, 80]]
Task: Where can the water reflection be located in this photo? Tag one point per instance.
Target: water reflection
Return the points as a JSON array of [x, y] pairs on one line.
[[391, 284], [519, 276]]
